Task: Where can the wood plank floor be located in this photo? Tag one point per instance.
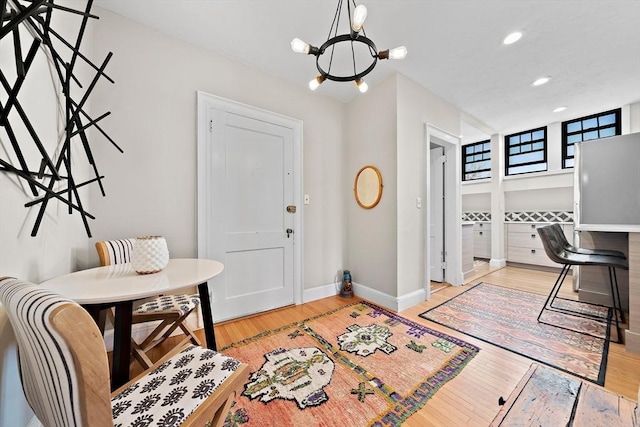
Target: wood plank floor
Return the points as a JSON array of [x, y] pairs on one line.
[[472, 397]]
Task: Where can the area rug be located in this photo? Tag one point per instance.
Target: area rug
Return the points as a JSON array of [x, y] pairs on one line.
[[507, 318], [357, 365]]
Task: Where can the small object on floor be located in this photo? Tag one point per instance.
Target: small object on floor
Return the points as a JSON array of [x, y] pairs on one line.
[[347, 288], [501, 401]]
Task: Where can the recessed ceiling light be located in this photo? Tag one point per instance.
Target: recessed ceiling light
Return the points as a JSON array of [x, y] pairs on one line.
[[541, 81], [512, 38], [559, 109]]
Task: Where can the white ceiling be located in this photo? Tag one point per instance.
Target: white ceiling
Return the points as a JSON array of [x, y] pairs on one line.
[[590, 49]]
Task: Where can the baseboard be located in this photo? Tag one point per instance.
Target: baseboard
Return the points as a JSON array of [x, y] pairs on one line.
[[392, 303], [466, 275], [140, 331], [319, 292], [497, 262]]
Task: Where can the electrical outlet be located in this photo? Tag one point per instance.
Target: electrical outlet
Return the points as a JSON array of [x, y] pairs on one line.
[[418, 202], [306, 199]]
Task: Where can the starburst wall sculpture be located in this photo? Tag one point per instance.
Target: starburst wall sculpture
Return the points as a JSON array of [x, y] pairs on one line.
[[26, 25]]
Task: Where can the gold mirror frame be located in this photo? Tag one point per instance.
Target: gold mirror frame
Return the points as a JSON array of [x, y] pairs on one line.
[[367, 187]]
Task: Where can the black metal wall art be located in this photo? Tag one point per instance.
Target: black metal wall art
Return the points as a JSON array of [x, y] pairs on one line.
[[26, 25]]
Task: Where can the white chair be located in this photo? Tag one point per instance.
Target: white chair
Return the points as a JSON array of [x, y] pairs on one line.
[[171, 310], [65, 374]]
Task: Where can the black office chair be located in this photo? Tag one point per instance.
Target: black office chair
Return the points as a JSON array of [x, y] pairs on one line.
[[557, 253]]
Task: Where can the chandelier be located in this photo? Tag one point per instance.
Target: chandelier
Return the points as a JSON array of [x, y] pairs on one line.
[[355, 40]]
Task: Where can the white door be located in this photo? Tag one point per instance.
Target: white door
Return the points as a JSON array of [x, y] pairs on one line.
[[436, 203], [248, 226]]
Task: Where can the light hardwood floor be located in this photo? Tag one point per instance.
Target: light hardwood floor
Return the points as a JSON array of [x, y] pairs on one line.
[[471, 398]]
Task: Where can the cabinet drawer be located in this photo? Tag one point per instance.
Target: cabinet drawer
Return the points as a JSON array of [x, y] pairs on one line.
[[482, 235], [525, 226], [525, 240], [530, 256], [482, 226]]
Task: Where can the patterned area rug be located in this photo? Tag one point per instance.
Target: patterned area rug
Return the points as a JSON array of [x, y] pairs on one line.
[[507, 318], [354, 366]]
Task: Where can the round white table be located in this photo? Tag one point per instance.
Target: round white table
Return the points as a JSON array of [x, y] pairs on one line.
[[119, 286]]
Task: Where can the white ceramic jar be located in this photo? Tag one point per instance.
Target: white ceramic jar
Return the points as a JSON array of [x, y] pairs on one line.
[[150, 254]]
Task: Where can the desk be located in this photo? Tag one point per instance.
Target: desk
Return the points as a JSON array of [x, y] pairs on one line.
[[119, 286], [632, 249]]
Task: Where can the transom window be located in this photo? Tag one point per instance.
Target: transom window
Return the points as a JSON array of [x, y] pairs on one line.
[[596, 126], [476, 160], [526, 152]]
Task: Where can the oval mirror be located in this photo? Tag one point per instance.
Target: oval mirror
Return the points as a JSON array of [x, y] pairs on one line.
[[368, 187]]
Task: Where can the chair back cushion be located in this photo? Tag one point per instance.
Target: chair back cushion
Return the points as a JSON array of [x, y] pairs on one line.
[[115, 251], [53, 385]]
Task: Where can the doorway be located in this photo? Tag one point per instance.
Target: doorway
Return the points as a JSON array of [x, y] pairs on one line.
[[249, 191], [443, 236]]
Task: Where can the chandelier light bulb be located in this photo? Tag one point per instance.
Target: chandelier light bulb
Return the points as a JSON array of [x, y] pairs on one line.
[[313, 84], [359, 15], [299, 46], [399, 52], [362, 86]]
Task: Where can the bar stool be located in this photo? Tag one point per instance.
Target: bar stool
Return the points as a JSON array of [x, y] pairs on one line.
[[557, 253], [557, 230]]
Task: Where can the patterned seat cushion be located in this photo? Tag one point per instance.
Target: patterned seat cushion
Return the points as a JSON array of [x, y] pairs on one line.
[[182, 304], [173, 390]]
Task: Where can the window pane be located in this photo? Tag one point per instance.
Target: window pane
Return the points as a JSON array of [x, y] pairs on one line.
[[528, 168], [485, 164], [607, 132], [486, 156], [569, 163], [525, 137], [574, 127], [514, 150], [590, 135], [538, 134], [538, 145], [570, 151], [525, 148], [514, 140], [609, 119], [526, 158], [590, 123], [487, 146], [477, 157], [574, 138], [469, 159]]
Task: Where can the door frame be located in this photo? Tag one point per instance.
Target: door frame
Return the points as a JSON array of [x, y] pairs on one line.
[[205, 102], [452, 205], [435, 206]]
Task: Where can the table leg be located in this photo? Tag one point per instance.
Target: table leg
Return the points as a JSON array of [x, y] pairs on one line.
[[207, 317], [121, 344]]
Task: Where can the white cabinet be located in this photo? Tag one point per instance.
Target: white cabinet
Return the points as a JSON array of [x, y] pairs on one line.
[[467, 250], [482, 239], [524, 246]]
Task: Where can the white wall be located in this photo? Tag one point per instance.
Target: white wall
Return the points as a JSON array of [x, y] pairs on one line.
[[387, 129], [151, 188], [550, 190], [61, 244], [417, 106], [372, 139]]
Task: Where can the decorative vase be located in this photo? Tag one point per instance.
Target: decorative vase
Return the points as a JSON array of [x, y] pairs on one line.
[[150, 254]]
